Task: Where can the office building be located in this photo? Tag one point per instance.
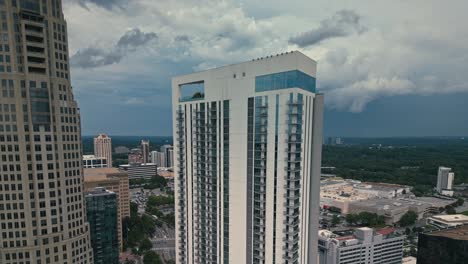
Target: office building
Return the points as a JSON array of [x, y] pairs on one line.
[[333, 141], [114, 180], [248, 141], [444, 246], [158, 158], [103, 148], [135, 156], [170, 158], [91, 161], [145, 151], [101, 207], [168, 153], [446, 221], [445, 181], [364, 245], [140, 171], [42, 212]]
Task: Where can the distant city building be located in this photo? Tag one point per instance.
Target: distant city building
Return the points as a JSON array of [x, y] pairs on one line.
[[248, 141], [166, 173], [445, 179], [446, 246], [145, 147], [168, 152], [101, 208], [158, 158], [339, 193], [114, 180], [140, 170], [91, 161], [170, 158], [103, 148], [445, 221], [121, 150], [393, 209], [363, 246], [135, 156], [335, 141]]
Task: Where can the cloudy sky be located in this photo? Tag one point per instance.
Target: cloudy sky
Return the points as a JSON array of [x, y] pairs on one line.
[[387, 68]]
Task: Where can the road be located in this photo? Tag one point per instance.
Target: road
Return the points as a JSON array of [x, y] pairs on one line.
[[163, 244]]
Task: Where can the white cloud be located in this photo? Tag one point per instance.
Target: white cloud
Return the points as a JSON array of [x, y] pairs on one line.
[[410, 47]]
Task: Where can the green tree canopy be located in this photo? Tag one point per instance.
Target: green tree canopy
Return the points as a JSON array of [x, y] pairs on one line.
[[151, 257], [409, 218]]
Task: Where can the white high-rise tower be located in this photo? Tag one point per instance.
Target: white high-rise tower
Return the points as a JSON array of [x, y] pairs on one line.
[[247, 148], [445, 179]]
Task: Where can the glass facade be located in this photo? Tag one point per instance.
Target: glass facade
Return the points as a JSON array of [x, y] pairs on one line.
[[226, 109], [284, 80], [192, 91], [293, 178], [101, 209], [259, 179], [181, 188]]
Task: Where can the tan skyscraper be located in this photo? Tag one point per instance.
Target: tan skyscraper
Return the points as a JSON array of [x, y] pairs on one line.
[[115, 181], [42, 212], [103, 148]]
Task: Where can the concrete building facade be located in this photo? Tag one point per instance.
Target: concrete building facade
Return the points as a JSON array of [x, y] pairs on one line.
[[158, 158], [445, 179], [91, 161], [145, 151], [248, 141], [116, 181], [364, 246], [168, 151], [446, 221], [140, 171], [42, 207], [103, 148]]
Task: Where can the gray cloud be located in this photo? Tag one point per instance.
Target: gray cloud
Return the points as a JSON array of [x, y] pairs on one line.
[[182, 38], [95, 57], [135, 38], [107, 4], [343, 23]]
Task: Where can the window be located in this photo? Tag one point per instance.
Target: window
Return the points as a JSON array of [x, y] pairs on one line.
[[284, 80]]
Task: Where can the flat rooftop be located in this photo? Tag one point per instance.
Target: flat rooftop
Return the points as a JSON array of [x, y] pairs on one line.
[[451, 218], [459, 233], [99, 174]]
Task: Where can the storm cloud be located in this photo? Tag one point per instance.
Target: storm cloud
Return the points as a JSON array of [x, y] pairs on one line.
[[343, 23], [107, 4], [92, 57]]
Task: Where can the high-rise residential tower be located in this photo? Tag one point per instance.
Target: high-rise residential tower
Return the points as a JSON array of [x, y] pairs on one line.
[[145, 151], [158, 158], [248, 141], [168, 152], [42, 208], [445, 179], [103, 148]]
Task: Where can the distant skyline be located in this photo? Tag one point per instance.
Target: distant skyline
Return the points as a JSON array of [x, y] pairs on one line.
[[387, 68]]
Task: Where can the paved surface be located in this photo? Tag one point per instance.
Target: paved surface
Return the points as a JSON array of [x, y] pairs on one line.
[[164, 242]]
